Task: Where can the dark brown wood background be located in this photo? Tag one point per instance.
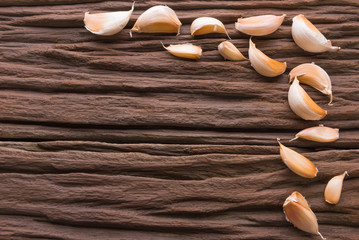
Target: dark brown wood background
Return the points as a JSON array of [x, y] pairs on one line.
[[114, 138]]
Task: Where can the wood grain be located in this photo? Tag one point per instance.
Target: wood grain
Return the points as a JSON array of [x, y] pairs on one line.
[[114, 138]]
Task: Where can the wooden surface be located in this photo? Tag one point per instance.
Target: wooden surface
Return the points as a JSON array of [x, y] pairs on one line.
[[114, 138]]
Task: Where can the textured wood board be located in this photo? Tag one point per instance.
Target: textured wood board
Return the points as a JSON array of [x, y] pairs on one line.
[[113, 138]]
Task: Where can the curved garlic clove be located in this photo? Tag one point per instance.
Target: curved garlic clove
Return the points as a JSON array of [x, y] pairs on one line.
[[259, 25], [263, 64], [230, 52], [109, 23], [298, 212], [158, 19], [333, 189], [205, 25], [297, 162], [308, 37], [185, 51], [319, 134], [302, 105], [313, 75]]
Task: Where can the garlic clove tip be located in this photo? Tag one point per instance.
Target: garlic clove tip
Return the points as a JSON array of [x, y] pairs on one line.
[[321, 236], [295, 138]]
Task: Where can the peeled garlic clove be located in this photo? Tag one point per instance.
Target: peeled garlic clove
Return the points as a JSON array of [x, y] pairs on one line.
[[158, 19], [109, 23], [298, 212], [308, 37], [205, 25], [333, 189], [230, 52], [263, 64], [185, 51], [319, 134], [297, 162], [313, 75], [302, 105], [259, 25]]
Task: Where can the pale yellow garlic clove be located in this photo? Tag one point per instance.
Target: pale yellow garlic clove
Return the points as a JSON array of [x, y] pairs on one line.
[[158, 19], [185, 51], [107, 24], [263, 64], [302, 105], [259, 25], [313, 75], [297, 162], [333, 189], [319, 134], [298, 212], [206, 25], [230, 52], [308, 37]]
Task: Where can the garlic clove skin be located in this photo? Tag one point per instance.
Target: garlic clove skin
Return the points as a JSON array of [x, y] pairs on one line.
[[206, 25], [302, 105], [319, 134], [230, 52], [185, 51], [333, 189], [263, 64], [298, 198], [158, 19], [314, 76], [259, 25], [298, 212], [308, 37], [296, 162], [107, 24]]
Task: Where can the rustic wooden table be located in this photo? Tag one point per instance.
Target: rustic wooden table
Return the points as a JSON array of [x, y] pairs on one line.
[[114, 138]]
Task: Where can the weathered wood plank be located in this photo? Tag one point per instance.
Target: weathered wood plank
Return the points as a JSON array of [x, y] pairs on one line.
[[113, 138], [154, 110]]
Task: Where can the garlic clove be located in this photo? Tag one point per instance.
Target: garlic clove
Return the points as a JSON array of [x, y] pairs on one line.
[[230, 52], [308, 37], [302, 105], [206, 25], [297, 162], [319, 134], [333, 189], [263, 64], [185, 51], [158, 19], [259, 25], [314, 76], [109, 23], [298, 212]]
